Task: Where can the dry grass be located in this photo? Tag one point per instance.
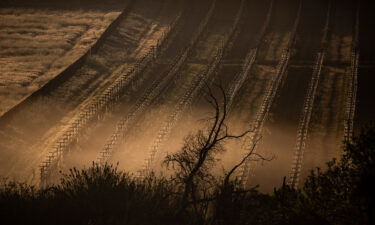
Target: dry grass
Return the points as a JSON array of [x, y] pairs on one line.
[[36, 44]]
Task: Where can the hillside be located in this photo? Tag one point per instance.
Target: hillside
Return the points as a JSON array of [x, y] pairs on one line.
[[297, 74]]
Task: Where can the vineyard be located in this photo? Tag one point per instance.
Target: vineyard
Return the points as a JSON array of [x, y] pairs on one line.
[[297, 73]]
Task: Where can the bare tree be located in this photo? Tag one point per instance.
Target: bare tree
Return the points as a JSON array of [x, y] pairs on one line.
[[193, 163]]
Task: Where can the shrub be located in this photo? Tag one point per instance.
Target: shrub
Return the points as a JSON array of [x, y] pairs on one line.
[[342, 194]]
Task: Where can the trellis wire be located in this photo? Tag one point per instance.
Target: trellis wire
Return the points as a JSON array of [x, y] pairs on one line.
[[118, 136], [303, 128], [99, 106]]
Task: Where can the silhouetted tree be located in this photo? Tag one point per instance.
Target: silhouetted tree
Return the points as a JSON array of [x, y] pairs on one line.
[[193, 163]]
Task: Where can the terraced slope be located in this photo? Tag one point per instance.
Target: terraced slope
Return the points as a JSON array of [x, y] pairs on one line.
[[251, 105], [179, 95], [243, 39], [298, 72], [234, 75], [279, 133], [327, 129], [137, 102], [26, 135]]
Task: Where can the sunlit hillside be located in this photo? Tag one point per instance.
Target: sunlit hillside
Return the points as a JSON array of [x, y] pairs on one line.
[[37, 44], [128, 81]]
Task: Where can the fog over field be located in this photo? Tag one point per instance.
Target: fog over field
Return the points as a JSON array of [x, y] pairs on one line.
[[127, 81]]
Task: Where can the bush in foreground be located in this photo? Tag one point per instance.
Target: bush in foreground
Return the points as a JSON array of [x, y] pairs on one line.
[[342, 194]]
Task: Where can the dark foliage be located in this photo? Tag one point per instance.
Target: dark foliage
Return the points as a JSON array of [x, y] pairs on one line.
[[342, 194], [98, 195]]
